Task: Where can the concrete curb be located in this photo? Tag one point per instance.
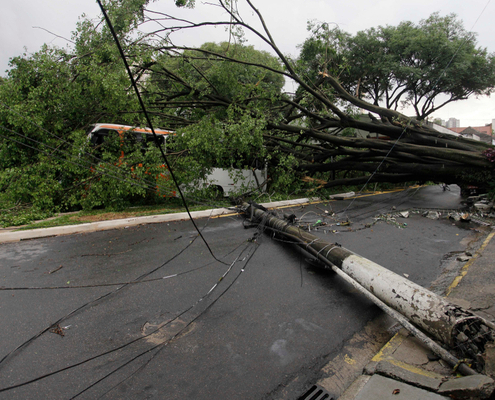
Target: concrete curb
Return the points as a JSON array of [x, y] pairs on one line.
[[16, 236]]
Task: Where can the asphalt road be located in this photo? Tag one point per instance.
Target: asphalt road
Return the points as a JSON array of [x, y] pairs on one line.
[[147, 312]]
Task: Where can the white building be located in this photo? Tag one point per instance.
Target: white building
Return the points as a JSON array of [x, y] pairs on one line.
[[453, 123]]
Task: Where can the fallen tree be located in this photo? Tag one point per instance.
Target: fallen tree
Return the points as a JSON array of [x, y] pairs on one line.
[[312, 131]]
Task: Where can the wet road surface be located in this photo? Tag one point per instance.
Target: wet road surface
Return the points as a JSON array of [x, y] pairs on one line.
[[146, 312]]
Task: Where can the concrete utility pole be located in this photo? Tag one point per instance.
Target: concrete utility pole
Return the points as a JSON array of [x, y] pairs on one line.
[[399, 297]]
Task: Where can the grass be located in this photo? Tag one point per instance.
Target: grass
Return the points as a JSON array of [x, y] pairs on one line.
[[81, 217], [173, 206]]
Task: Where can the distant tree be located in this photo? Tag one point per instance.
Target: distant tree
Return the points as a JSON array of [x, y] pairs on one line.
[[425, 66]]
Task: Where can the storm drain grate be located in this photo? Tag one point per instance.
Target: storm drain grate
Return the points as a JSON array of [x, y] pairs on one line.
[[316, 392]]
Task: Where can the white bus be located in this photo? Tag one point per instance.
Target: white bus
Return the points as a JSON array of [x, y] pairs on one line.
[[224, 181]]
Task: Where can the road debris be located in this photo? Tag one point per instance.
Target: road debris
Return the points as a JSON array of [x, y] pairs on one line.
[[391, 219], [483, 206], [55, 270], [432, 215], [58, 330], [406, 301], [468, 387]]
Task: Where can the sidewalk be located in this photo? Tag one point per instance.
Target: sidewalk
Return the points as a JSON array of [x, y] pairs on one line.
[[15, 235], [405, 369]]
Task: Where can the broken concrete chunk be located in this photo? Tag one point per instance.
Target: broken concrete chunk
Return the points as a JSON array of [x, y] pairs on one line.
[[485, 207], [455, 217], [479, 386], [432, 215], [425, 381], [463, 258], [489, 358]]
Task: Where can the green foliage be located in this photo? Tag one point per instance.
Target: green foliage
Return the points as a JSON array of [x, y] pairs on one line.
[[218, 96], [284, 181], [185, 3], [50, 98], [323, 52], [232, 143], [47, 101], [406, 64], [28, 192], [205, 81]]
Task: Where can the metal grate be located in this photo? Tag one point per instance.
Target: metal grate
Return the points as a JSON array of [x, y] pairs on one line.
[[315, 392]]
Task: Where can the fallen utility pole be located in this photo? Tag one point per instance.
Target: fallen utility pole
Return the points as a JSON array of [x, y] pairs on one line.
[[400, 298]]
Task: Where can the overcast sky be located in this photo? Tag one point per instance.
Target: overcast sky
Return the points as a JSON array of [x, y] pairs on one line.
[[25, 24]]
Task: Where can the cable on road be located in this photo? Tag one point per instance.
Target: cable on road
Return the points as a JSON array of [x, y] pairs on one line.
[[72, 366], [30, 340], [251, 242], [159, 347]]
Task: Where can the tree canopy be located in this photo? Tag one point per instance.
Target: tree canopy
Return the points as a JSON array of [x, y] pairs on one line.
[[425, 66], [47, 101], [193, 83]]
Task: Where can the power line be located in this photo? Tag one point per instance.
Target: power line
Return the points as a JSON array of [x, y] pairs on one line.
[[199, 301], [159, 347], [150, 124]]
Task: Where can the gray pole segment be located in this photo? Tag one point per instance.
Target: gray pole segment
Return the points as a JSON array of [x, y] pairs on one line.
[[395, 294]]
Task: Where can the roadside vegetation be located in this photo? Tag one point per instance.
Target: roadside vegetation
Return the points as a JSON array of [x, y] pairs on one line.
[[173, 206], [226, 103]]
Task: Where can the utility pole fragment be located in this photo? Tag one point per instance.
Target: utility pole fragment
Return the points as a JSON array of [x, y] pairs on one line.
[[402, 299]]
